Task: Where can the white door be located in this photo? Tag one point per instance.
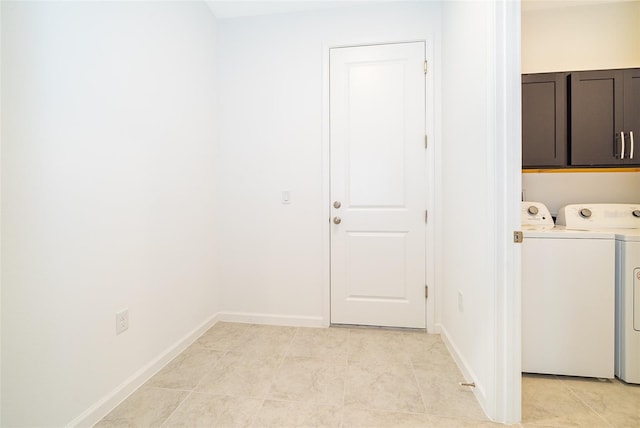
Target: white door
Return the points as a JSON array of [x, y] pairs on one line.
[[378, 185]]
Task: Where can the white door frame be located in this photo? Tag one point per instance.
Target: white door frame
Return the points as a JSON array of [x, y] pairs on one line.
[[431, 177], [508, 187]]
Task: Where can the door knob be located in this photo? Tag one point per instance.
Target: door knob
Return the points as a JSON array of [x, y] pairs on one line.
[[337, 204], [337, 220]]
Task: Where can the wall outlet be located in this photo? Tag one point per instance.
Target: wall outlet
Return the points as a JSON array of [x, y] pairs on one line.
[[122, 321], [460, 301]]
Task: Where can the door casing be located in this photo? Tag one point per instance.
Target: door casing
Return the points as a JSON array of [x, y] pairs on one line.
[[432, 155]]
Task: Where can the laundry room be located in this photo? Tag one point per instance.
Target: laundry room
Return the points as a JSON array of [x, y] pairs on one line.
[[564, 37], [581, 201]]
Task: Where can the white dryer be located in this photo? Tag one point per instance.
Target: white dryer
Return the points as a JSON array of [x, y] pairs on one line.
[[568, 297], [624, 220], [628, 306]]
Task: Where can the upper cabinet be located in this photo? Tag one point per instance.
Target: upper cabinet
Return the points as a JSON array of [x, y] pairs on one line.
[[596, 118], [605, 117], [603, 112], [544, 119], [632, 114]]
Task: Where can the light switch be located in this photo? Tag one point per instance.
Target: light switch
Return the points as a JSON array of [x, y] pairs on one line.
[[286, 197]]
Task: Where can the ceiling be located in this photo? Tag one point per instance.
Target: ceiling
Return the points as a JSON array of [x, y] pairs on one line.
[[236, 8], [528, 5]]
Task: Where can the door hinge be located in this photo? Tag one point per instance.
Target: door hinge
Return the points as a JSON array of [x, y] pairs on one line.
[[426, 291], [425, 66], [425, 141], [517, 237], [426, 216]]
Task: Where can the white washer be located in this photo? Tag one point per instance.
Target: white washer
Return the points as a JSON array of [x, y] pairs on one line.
[[624, 220], [568, 297]]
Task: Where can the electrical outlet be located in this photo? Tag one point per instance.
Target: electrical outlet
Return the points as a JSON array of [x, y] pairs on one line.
[[122, 321], [460, 301]]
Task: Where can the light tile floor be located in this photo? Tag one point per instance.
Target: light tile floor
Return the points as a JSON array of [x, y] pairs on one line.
[[563, 401], [266, 376]]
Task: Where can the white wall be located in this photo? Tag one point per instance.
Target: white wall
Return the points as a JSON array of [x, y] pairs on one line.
[[479, 288], [114, 194], [1, 116], [612, 187], [271, 122], [580, 37], [108, 196]]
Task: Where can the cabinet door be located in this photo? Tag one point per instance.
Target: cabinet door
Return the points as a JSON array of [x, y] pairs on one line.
[[596, 118], [544, 119], [632, 116]]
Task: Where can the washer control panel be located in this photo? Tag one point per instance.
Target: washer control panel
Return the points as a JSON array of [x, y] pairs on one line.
[[536, 215], [599, 216]]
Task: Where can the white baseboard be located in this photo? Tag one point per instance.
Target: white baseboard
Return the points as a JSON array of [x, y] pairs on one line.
[[271, 319], [100, 409], [479, 391]]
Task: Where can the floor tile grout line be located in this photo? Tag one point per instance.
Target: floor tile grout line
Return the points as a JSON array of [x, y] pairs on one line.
[[283, 356], [231, 395], [229, 349], [176, 409], [164, 388], [255, 415], [567, 388], [415, 377], [262, 398], [346, 377], [213, 367], [589, 406]]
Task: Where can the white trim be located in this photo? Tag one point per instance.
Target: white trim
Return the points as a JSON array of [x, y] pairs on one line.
[[432, 172], [1, 213], [272, 319], [436, 233], [326, 189], [433, 160], [508, 185], [469, 376], [110, 401], [494, 212]]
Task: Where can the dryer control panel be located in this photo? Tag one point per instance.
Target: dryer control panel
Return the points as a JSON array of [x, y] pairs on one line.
[[536, 215]]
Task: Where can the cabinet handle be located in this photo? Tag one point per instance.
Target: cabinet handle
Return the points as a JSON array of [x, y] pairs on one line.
[[631, 151], [622, 151]]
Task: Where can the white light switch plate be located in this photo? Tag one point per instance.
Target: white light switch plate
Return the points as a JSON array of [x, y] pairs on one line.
[[122, 321]]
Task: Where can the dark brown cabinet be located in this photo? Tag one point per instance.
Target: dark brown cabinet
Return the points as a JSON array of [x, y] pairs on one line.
[[596, 118], [544, 120], [581, 119], [631, 122]]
